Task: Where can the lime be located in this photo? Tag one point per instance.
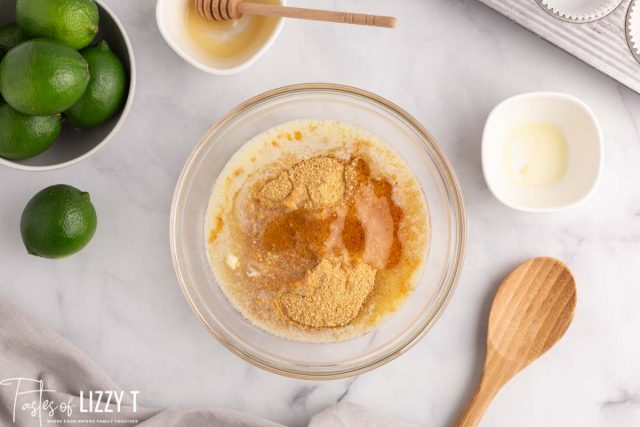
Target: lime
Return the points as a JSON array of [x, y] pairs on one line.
[[74, 22], [105, 91], [43, 77], [58, 221], [23, 136], [10, 36]]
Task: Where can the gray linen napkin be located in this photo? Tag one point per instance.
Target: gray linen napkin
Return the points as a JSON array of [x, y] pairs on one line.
[[43, 376]]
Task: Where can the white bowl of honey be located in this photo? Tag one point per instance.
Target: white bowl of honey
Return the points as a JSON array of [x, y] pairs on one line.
[[216, 47]]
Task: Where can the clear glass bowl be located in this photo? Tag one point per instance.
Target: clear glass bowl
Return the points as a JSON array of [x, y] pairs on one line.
[[445, 251]]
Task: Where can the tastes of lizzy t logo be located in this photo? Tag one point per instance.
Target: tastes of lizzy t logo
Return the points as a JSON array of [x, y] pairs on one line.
[[29, 401]]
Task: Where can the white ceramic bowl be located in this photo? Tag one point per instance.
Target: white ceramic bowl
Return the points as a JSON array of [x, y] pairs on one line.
[[585, 150], [170, 17], [74, 145]]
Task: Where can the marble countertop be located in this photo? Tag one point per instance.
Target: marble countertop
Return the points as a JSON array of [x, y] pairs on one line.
[[448, 63]]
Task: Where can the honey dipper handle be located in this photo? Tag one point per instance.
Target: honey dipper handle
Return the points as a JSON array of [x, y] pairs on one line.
[[314, 15]]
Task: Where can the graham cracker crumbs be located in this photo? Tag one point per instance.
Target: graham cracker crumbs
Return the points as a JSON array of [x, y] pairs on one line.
[[277, 189], [323, 178], [329, 296]]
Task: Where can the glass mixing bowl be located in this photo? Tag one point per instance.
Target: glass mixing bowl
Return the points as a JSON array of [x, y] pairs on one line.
[[443, 260]]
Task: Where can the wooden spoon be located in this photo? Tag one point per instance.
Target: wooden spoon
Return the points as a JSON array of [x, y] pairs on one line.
[[531, 311], [225, 10]]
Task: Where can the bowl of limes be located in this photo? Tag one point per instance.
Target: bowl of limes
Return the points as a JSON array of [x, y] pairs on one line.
[[67, 79]]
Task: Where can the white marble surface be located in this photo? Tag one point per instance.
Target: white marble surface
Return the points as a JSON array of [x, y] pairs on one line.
[[448, 63]]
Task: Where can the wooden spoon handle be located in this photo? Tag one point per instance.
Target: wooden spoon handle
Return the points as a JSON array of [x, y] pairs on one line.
[[477, 405], [315, 15], [494, 376]]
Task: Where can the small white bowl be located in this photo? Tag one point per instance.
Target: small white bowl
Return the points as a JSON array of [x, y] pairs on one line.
[[585, 150], [171, 19], [73, 145]]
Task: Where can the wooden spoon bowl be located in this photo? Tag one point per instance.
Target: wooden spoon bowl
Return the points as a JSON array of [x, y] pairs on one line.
[[531, 311]]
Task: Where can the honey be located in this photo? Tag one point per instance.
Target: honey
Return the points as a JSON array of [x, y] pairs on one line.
[[239, 38]]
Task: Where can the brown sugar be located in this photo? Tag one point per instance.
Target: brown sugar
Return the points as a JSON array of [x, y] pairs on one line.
[[277, 189], [323, 178], [329, 296]]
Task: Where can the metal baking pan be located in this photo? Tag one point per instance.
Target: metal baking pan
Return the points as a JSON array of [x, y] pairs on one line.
[[601, 44]]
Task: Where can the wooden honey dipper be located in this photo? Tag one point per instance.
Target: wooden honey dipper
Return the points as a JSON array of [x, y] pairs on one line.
[[225, 10]]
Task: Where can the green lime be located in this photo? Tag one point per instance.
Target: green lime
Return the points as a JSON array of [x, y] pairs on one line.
[[23, 136], [58, 221], [74, 22], [105, 91], [10, 36], [43, 77]]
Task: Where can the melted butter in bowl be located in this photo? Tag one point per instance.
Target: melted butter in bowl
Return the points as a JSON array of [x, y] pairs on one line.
[[316, 231]]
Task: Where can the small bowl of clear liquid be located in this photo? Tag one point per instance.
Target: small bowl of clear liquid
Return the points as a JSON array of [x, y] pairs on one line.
[[542, 152]]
